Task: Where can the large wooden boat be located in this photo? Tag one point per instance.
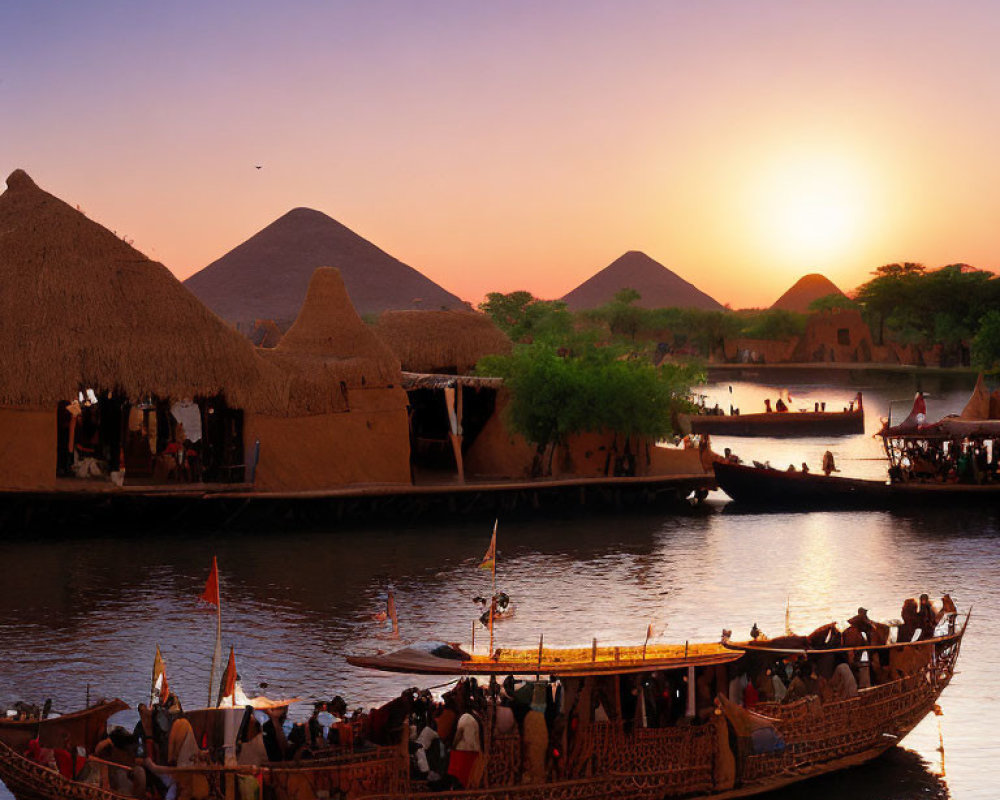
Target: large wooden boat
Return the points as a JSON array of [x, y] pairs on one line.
[[776, 424], [772, 488], [687, 753]]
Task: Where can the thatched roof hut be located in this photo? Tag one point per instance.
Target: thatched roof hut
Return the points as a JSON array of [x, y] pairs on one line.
[[329, 345], [265, 333], [81, 308], [448, 342]]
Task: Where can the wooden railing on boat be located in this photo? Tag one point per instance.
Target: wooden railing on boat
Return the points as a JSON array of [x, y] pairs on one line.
[[604, 760]]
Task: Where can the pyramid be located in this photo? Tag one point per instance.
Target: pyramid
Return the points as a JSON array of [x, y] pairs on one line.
[[266, 277], [657, 286], [804, 291]]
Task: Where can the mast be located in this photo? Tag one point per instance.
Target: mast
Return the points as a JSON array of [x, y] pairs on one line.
[[213, 596], [493, 593], [216, 652]]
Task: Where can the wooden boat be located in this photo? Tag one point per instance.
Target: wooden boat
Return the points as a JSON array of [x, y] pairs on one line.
[[80, 726], [776, 424], [686, 754], [772, 488]]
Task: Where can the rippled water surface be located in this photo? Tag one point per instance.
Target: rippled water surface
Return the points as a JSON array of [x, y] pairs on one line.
[[79, 609]]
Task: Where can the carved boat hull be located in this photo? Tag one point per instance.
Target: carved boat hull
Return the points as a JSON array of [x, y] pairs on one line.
[[606, 761]]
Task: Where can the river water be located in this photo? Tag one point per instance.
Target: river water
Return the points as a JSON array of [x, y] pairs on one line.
[[81, 611]]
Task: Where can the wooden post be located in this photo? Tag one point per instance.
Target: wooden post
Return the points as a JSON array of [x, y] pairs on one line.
[[541, 640], [456, 446], [593, 651], [473, 637], [691, 694]]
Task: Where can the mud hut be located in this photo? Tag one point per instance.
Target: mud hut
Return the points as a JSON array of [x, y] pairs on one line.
[[85, 317], [441, 342], [348, 422], [837, 336]]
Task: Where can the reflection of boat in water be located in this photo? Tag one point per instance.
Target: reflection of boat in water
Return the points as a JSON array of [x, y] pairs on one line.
[[693, 747], [776, 424]]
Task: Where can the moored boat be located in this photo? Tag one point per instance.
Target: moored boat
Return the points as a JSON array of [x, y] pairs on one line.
[[956, 459], [655, 721], [772, 488], [776, 424]]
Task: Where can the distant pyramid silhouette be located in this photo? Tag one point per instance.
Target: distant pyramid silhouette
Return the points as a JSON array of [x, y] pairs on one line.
[[266, 277], [806, 289], [657, 285]]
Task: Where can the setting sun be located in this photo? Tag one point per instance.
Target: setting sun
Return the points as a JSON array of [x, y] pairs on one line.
[[811, 208]]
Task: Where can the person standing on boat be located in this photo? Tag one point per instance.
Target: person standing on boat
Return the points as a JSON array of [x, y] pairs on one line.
[[828, 463], [536, 738], [927, 617]]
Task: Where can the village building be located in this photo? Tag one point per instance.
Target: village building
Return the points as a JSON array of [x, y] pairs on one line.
[[118, 379], [346, 421]]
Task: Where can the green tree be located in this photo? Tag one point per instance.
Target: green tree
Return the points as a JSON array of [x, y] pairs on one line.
[[775, 324], [833, 302], [525, 318], [986, 344], [555, 394], [891, 290], [624, 317]]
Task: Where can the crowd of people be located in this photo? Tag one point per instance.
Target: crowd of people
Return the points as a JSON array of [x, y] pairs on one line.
[[538, 723], [839, 674], [967, 461]]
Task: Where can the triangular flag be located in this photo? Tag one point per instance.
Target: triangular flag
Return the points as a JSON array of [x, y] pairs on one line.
[[211, 593], [227, 687], [490, 558], [161, 689]]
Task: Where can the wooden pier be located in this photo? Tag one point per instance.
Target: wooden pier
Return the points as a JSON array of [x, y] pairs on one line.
[[78, 506]]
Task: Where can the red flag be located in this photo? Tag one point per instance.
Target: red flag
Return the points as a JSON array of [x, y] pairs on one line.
[[211, 593], [227, 687]]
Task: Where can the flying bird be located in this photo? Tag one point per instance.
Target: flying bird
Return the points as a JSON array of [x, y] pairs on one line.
[[258, 166]]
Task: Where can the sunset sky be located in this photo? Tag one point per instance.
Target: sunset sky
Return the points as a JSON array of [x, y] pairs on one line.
[[510, 145]]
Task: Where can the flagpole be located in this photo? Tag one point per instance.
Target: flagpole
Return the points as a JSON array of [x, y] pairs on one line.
[[217, 650], [493, 594], [152, 683]]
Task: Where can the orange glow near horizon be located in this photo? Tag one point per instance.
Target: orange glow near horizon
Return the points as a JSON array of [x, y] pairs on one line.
[[525, 147]]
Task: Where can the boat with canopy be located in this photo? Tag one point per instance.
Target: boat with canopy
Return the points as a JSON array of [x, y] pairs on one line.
[[651, 721], [956, 459]]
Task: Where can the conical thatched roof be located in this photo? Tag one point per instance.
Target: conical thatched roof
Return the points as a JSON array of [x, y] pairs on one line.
[[329, 341], [81, 308], [265, 333], [441, 341]]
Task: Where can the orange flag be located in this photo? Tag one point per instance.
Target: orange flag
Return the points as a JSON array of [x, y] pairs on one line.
[[490, 558], [211, 593], [161, 689], [227, 687]]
